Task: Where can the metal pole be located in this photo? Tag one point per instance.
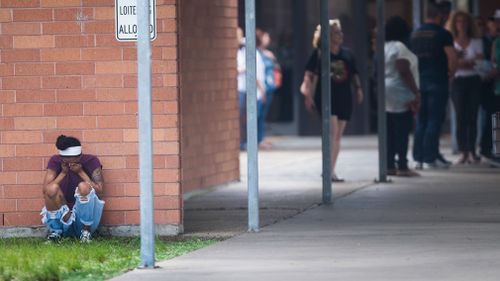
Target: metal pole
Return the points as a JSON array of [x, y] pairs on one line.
[[145, 134], [417, 13], [325, 104], [252, 149], [382, 123], [475, 9], [299, 47]]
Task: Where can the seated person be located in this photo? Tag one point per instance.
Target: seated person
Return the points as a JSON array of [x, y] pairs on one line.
[[72, 183]]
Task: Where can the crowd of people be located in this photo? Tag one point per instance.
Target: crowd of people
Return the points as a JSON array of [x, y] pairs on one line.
[[451, 56], [446, 56], [455, 59]]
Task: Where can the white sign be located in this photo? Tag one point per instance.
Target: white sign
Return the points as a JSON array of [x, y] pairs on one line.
[[126, 20]]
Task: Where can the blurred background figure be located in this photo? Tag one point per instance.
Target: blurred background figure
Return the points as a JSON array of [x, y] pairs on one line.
[[272, 81], [433, 46], [402, 96], [242, 89], [487, 32], [495, 57], [466, 84]]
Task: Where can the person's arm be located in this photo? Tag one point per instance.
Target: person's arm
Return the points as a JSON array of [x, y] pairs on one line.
[[96, 182], [403, 68], [52, 177], [356, 81], [308, 90], [262, 90], [451, 54]]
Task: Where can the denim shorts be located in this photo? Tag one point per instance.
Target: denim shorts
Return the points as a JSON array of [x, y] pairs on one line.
[[86, 211]]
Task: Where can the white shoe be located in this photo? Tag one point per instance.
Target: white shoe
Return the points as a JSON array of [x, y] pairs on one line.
[[86, 236], [53, 237]]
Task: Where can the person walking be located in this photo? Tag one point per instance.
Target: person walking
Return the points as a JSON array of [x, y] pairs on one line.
[[402, 96], [433, 46], [344, 77], [466, 84]]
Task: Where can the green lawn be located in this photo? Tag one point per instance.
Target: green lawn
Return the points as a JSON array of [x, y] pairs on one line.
[[33, 259]]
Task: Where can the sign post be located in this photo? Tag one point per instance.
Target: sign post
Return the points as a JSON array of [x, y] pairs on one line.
[[126, 27]]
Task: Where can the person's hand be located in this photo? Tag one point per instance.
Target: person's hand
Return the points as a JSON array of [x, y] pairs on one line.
[[359, 95], [414, 105], [309, 103], [75, 167], [64, 167]]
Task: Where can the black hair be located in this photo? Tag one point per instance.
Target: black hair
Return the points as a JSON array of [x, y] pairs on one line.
[[433, 10], [63, 142], [444, 7], [397, 29]]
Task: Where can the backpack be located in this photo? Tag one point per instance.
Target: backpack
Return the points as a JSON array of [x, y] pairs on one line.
[[273, 79]]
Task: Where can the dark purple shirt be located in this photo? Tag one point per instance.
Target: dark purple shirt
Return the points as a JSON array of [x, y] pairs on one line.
[[71, 180]]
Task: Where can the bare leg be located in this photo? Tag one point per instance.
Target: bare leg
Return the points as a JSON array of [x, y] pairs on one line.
[[54, 199], [337, 130], [53, 196]]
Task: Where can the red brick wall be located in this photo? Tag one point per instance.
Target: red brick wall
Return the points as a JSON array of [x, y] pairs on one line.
[[63, 72], [209, 107]]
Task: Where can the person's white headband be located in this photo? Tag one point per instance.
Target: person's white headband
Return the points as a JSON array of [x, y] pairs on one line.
[[71, 151]]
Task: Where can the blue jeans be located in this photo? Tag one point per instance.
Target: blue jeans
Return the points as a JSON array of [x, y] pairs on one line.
[[429, 121], [262, 111], [85, 212]]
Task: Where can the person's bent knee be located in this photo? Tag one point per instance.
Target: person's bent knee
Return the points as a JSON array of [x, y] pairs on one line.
[[51, 191], [84, 188]]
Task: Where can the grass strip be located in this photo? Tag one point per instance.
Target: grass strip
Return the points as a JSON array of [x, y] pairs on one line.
[[32, 259]]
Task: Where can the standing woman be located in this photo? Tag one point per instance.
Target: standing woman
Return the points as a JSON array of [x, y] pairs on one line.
[[466, 84], [270, 84], [402, 97], [344, 77]]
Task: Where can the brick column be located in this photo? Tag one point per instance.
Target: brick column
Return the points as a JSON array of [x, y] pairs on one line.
[[209, 98]]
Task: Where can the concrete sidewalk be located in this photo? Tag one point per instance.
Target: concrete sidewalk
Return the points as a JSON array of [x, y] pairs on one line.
[[444, 225]]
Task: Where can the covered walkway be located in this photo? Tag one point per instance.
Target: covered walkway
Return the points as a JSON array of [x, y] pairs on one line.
[[441, 226]]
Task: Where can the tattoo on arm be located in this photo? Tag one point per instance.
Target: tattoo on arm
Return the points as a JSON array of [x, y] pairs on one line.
[[97, 176], [98, 180]]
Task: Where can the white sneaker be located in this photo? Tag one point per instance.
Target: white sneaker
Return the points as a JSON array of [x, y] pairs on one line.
[[436, 165], [86, 236], [419, 166], [53, 237]]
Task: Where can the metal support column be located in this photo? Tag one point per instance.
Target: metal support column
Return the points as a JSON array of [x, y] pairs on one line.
[[475, 7], [252, 148], [382, 123], [145, 135], [325, 104], [417, 13]]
